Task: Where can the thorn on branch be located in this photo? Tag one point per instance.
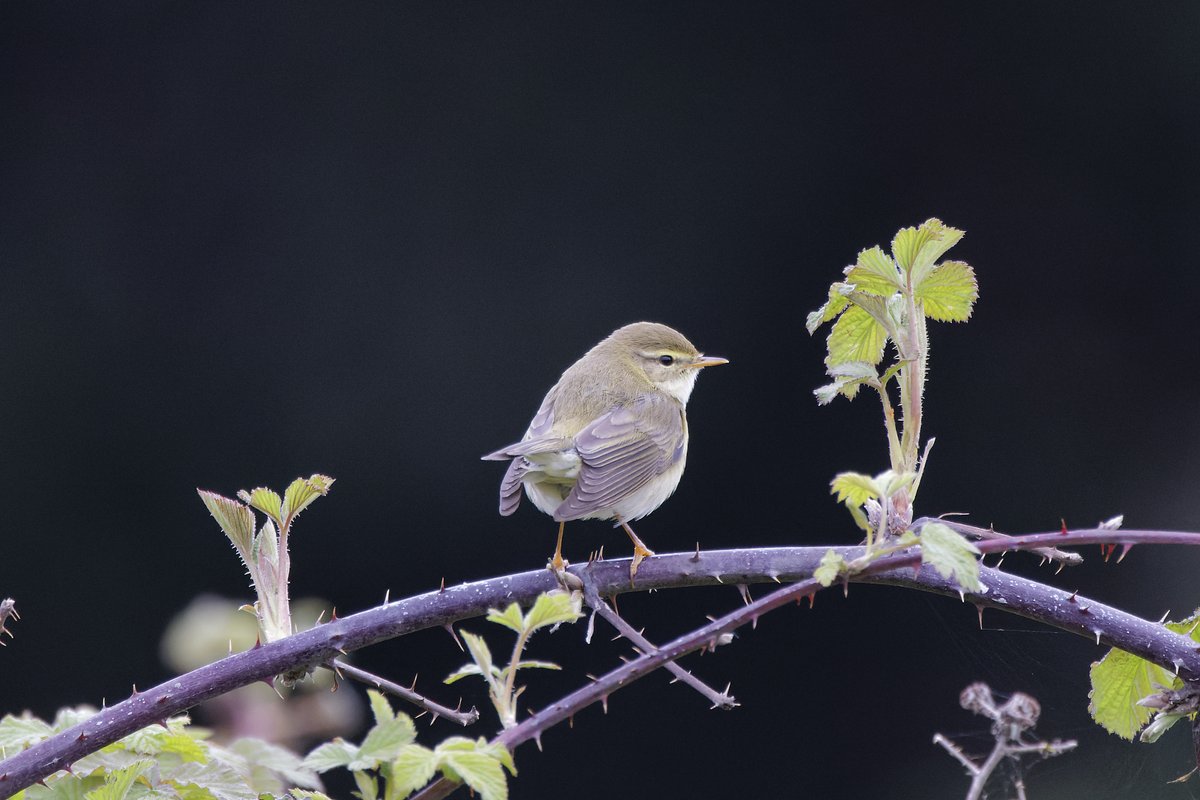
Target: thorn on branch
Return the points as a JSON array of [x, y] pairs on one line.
[[454, 636]]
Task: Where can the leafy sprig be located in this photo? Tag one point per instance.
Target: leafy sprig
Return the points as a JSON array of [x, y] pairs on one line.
[[550, 609], [389, 764], [264, 551]]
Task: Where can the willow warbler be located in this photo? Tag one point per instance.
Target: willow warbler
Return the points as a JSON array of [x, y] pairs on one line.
[[611, 438]]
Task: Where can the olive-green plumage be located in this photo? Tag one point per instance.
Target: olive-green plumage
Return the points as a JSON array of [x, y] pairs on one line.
[[610, 439]]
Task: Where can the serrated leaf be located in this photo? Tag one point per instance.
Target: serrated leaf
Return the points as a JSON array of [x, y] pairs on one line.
[[853, 487], [553, 608], [235, 519], [916, 249], [479, 652], [874, 273], [948, 293], [482, 771], [414, 767], [510, 618], [852, 369], [118, 783], [951, 555], [384, 742], [830, 567], [17, 733], [860, 519], [856, 336], [1119, 681], [381, 709], [462, 672], [367, 783], [338, 753], [301, 494], [214, 781], [268, 764], [155, 741], [826, 393], [265, 500], [305, 794], [835, 305], [66, 787]]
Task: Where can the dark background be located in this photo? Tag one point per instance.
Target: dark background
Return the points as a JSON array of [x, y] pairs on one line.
[[243, 243]]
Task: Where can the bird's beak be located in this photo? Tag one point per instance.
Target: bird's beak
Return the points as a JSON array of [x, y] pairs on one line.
[[708, 361]]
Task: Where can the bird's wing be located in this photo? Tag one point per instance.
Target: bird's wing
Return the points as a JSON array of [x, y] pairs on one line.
[[537, 439], [621, 451]]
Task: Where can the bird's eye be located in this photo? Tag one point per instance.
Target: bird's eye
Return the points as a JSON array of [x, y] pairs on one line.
[[666, 361]]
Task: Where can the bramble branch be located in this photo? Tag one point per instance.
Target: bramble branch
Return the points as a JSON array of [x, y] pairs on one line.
[[324, 643]]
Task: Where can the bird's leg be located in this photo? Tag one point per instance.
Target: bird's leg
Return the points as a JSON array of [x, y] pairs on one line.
[[640, 551], [557, 565]]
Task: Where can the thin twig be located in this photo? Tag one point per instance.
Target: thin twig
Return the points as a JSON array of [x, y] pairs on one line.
[[1064, 557], [718, 699], [463, 718]]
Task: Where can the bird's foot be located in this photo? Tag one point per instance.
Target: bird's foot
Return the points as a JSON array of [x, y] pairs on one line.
[[640, 553]]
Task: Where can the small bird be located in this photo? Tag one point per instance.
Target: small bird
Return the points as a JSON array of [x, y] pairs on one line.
[[611, 438]]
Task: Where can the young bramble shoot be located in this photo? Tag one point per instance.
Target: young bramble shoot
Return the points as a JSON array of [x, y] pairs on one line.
[[265, 552], [887, 298], [390, 755], [548, 611]]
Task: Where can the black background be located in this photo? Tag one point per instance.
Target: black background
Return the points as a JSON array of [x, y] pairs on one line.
[[241, 243]]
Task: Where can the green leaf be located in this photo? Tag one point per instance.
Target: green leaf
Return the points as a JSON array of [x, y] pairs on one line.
[[305, 794], [860, 519], [384, 742], [842, 386], [338, 753], [381, 709], [367, 783], [1119, 681], [269, 764], [856, 336], [510, 618], [835, 305], [211, 782], [480, 769], [830, 567], [264, 500], [948, 292], [155, 741], [854, 487], [951, 555], [17, 733], [916, 249], [118, 783], [1158, 726], [462, 672], [480, 653], [413, 768], [266, 550], [553, 608], [300, 495], [848, 379], [537, 665], [235, 519], [874, 273]]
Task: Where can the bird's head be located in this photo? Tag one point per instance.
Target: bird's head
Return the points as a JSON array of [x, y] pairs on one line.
[[663, 356]]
